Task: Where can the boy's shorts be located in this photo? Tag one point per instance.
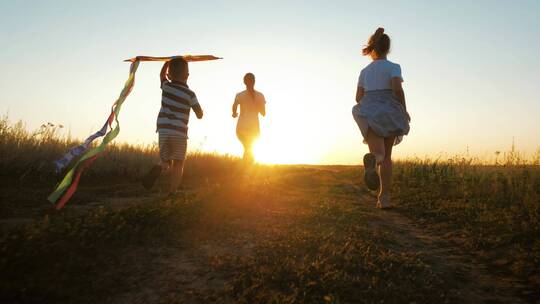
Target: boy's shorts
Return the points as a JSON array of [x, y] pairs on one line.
[[172, 147]]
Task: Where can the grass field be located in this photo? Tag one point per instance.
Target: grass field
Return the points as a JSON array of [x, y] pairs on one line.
[[462, 231]]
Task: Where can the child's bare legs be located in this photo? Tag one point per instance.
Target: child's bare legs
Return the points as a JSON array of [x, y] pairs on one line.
[[376, 146], [177, 171], [386, 169], [165, 164], [382, 149], [248, 150]]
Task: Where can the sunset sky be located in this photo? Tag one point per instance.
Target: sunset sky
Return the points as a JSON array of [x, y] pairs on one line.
[[471, 70]]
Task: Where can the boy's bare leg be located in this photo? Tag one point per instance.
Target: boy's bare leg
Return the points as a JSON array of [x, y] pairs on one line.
[[150, 178], [165, 164], [177, 171]]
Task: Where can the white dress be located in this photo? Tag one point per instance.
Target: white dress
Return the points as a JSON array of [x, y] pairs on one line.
[[247, 127], [379, 109]]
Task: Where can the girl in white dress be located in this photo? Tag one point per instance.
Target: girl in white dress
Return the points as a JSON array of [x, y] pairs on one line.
[[381, 114], [252, 103]]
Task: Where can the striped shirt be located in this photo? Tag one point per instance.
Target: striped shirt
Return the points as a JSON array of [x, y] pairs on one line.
[[176, 102]]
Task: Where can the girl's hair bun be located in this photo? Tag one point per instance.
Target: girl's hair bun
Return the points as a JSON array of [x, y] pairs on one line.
[[379, 43]]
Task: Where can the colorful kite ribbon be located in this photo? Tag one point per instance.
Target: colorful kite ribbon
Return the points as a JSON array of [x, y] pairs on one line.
[[69, 183]]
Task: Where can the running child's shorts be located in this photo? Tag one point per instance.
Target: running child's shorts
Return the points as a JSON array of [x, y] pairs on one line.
[[172, 147]]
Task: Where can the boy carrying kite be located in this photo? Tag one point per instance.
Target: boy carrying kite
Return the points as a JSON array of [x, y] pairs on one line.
[[177, 100]]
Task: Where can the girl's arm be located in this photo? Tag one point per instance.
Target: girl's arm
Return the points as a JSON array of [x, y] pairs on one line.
[[262, 108], [359, 94], [235, 108], [397, 88]]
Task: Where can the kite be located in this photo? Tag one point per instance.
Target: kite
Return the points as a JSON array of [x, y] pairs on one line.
[[188, 58], [87, 153]]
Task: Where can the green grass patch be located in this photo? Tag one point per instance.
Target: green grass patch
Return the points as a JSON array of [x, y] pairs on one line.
[[68, 257]]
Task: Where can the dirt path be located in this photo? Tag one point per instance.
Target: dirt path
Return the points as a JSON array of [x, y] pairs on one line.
[[233, 223], [475, 282], [182, 272]]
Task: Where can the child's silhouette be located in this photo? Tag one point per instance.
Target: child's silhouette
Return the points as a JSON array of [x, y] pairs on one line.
[[381, 114], [251, 104], [177, 101]]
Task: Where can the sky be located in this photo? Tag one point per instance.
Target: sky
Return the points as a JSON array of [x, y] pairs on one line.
[[470, 71]]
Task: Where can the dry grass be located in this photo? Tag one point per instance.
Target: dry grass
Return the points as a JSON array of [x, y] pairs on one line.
[[495, 210], [319, 249], [29, 155]]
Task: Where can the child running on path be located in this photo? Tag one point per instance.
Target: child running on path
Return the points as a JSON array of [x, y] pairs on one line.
[[251, 103], [177, 100], [381, 114]]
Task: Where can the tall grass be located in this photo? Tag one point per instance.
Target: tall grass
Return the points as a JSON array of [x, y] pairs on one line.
[[494, 209], [25, 153], [29, 155]]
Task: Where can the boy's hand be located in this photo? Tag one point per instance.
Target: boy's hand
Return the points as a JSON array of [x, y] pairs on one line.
[[234, 115]]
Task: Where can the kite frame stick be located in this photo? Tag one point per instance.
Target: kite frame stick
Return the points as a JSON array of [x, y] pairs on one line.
[[189, 58]]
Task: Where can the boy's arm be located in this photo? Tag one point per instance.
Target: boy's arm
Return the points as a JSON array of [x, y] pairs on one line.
[[235, 108], [163, 73], [198, 111], [196, 107]]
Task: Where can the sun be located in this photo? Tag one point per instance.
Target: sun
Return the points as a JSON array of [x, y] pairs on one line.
[[279, 146]]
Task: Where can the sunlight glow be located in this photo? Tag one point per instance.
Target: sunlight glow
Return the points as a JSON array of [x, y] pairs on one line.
[[291, 133], [275, 149]]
